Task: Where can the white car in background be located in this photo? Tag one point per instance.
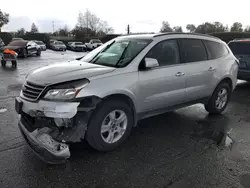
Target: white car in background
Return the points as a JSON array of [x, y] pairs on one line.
[[41, 44], [93, 43], [77, 46], [58, 45]]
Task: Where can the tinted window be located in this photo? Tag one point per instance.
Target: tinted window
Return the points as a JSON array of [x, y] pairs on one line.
[[215, 49], [192, 50], [39, 42], [240, 48], [166, 53]]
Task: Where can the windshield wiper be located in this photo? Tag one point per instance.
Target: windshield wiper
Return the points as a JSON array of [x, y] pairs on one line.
[[123, 54]]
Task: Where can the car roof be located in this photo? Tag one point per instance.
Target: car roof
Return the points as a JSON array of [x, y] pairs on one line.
[[156, 35], [240, 40]]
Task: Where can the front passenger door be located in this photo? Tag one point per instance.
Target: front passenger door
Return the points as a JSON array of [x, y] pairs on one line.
[[162, 86]]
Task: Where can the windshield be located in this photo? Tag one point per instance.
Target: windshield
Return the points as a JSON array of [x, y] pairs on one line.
[[117, 53], [78, 43], [59, 43], [17, 43], [240, 48]]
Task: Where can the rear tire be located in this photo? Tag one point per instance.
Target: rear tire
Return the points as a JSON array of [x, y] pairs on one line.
[[25, 53], [38, 53], [94, 136], [3, 63], [14, 64], [219, 100]]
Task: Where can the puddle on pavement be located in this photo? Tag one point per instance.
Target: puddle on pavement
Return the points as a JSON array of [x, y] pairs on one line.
[[2, 110], [245, 180], [218, 137]]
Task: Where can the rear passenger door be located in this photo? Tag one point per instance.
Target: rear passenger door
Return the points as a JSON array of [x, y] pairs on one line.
[[198, 68]]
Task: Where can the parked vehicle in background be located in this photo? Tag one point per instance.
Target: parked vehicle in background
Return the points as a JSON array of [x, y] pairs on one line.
[[241, 50], [41, 45], [102, 96], [51, 41], [69, 45], [1, 43], [58, 45], [24, 48], [78, 46], [93, 43], [15, 39]]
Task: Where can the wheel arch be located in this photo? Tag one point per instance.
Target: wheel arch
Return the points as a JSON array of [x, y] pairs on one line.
[[127, 99]]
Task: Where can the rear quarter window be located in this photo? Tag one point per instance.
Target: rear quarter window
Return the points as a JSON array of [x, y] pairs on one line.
[[240, 48], [215, 50]]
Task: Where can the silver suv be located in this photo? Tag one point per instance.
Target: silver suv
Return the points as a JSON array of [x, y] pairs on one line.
[[101, 97]]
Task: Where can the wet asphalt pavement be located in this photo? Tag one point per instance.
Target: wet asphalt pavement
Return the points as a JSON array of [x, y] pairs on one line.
[[181, 149]]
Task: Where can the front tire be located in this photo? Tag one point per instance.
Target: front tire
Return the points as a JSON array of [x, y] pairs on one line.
[[219, 100], [110, 125], [3, 63]]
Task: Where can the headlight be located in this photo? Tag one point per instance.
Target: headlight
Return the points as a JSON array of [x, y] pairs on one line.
[[66, 91], [62, 94]]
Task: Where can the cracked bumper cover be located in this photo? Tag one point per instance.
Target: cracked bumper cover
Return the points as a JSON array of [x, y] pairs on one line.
[[47, 126], [45, 147]]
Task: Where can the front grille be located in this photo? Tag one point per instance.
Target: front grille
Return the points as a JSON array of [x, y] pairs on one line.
[[32, 91]]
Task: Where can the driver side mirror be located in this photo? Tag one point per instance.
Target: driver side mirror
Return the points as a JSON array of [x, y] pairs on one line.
[[28, 45], [151, 63]]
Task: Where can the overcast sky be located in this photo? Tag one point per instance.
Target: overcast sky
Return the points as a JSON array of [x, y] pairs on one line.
[[142, 15]]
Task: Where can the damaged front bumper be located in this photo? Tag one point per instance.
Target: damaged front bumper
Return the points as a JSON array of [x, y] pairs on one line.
[[48, 127], [44, 146]]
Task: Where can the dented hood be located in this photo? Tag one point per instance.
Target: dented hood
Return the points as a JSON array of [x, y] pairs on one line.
[[67, 71]]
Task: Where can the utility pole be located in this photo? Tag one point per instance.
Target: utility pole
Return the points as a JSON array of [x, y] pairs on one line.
[[53, 26], [128, 29], [87, 17]]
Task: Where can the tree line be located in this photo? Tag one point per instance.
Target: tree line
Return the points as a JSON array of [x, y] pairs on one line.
[[207, 27], [88, 25]]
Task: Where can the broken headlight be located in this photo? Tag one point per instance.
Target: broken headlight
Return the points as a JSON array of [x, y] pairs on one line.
[[66, 91]]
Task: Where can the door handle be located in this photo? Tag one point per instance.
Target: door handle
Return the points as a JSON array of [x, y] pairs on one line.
[[211, 69], [180, 74]]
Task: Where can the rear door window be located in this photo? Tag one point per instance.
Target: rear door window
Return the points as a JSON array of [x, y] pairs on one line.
[[192, 50], [240, 48], [215, 50]]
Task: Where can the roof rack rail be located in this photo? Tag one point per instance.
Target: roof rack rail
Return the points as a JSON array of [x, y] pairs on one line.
[[174, 33]]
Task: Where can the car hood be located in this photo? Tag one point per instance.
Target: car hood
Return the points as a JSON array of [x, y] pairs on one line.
[[62, 72]]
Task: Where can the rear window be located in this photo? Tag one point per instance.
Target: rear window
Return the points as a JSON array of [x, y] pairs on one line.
[[215, 50], [192, 50], [17, 43], [240, 48]]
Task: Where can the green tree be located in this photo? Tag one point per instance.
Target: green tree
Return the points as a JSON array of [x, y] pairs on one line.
[[247, 29], [177, 29], [236, 27], [34, 28], [63, 31], [191, 28], [4, 19], [21, 32], [166, 27]]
